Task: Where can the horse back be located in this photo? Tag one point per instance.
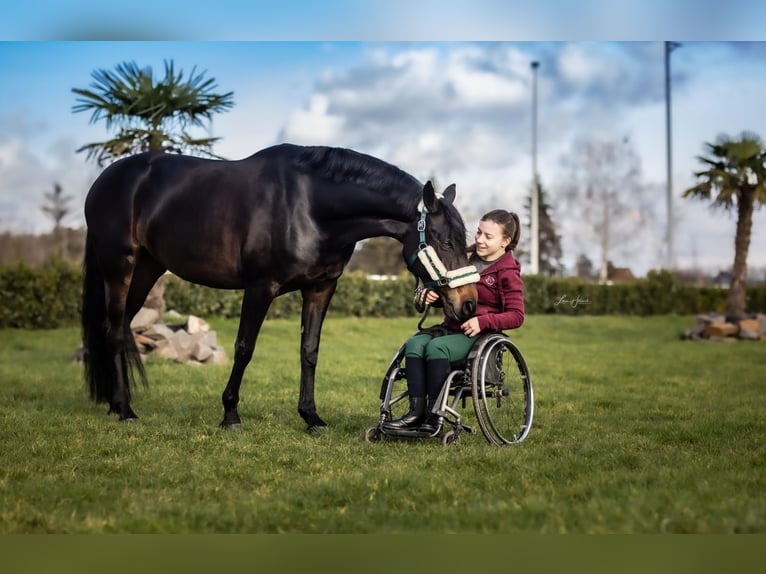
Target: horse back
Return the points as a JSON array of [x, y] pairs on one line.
[[214, 222]]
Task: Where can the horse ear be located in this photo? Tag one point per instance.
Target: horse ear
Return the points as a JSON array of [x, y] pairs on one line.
[[449, 193], [429, 197]]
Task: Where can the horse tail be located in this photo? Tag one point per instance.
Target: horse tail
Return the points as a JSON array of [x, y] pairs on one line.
[[99, 365], [100, 369]]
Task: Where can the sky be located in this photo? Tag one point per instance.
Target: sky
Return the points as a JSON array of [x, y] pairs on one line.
[[450, 100]]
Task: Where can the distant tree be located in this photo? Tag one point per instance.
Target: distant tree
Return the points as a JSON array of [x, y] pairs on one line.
[[149, 114], [56, 207], [550, 241], [734, 178], [584, 268], [604, 197], [378, 256]]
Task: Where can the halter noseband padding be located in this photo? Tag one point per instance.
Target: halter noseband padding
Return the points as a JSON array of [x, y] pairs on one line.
[[434, 266], [438, 272]]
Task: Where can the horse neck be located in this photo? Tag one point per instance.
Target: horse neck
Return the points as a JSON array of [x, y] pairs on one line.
[[361, 213]]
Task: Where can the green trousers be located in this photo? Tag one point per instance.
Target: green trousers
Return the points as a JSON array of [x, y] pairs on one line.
[[453, 347]]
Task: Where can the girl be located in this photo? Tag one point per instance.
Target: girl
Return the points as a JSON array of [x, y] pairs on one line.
[[500, 306]]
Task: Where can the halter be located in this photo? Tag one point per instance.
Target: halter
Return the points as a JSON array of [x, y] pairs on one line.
[[434, 266]]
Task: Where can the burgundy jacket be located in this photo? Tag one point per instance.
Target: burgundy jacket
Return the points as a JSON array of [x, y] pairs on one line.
[[500, 290]]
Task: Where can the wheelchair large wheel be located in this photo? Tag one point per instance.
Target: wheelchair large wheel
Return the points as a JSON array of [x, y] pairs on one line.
[[502, 391], [393, 391]]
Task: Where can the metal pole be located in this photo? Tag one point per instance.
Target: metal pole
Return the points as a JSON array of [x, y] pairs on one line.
[[534, 254], [670, 258]]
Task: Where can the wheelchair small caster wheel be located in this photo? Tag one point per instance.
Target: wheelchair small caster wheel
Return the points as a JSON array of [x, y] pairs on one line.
[[373, 434], [450, 438]]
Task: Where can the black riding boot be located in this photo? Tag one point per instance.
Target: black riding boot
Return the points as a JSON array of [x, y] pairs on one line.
[[437, 371], [416, 386]]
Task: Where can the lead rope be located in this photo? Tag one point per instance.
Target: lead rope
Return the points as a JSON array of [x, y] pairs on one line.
[[427, 308], [423, 318]]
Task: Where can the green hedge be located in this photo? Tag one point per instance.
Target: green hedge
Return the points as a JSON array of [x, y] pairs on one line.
[[49, 297], [356, 296], [45, 297], [660, 293]]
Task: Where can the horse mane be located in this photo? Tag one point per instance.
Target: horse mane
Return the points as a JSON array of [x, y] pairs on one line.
[[345, 165], [455, 224]]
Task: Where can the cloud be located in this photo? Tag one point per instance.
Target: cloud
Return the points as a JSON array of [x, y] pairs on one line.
[[29, 171], [425, 107], [459, 112], [462, 113]]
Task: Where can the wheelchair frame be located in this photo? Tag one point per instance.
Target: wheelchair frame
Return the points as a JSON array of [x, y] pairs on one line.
[[494, 375]]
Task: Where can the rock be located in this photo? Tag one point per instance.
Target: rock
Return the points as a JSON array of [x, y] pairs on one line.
[[159, 331], [721, 330], [79, 354], [201, 352], [144, 319], [146, 342], [710, 318], [191, 342], [749, 334], [167, 350], [196, 325], [219, 357], [719, 327], [156, 298]]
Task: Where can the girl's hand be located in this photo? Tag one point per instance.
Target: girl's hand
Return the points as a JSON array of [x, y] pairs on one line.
[[471, 327], [429, 296]]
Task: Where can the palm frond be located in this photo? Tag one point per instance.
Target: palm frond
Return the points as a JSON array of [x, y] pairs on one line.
[[149, 114]]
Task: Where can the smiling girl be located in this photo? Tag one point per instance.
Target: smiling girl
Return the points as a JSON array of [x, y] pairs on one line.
[[500, 307]]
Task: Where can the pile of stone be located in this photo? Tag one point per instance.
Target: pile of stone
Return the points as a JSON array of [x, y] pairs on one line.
[[719, 327], [191, 341]]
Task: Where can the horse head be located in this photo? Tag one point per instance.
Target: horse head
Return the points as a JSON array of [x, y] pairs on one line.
[[436, 253]]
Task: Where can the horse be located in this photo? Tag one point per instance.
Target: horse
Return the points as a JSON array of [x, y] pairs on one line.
[[286, 218]]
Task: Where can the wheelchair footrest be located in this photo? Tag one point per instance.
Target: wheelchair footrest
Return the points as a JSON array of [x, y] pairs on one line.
[[412, 433]]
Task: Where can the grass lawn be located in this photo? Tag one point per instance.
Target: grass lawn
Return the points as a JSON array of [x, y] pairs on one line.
[[635, 431]]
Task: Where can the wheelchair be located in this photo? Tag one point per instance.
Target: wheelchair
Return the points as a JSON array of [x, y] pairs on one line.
[[494, 375]]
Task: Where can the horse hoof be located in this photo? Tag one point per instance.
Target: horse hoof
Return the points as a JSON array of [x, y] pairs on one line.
[[129, 420], [231, 426], [316, 430]]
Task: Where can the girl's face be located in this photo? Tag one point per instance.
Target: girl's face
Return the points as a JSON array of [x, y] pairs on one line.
[[490, 242]]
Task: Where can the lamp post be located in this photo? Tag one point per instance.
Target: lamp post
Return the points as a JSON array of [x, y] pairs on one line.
[[670, 258], [534, 248]]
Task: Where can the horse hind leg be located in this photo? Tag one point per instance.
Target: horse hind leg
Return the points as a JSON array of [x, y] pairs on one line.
[[128, 361], [124, 284], [119, 341]]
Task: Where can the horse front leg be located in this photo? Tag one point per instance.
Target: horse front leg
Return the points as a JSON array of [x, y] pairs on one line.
[[255, 304], [315, 303]]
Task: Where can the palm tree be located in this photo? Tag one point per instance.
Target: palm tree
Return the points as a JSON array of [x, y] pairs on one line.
[[735, 176], [149, 115]]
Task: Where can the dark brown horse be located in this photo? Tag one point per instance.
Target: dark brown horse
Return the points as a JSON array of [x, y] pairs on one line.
[[286, 218]]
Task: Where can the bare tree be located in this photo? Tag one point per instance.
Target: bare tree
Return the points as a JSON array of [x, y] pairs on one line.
[[57, 209], [604, 198]]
